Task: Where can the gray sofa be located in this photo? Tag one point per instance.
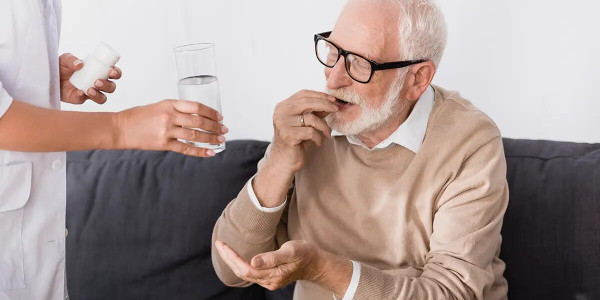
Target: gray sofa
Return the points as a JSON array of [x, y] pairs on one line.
[[140, 222]]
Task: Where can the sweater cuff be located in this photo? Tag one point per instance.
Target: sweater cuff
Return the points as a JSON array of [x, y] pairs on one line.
[[256, 226], [373, 284], [257, 203]]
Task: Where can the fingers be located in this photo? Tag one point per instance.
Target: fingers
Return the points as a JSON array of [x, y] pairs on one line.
[[315, 94], [70, 61], [314, 127], [293, 136], [321, 114], [75, 96], [225, 257], [205, 120], [309, 101], [191, 107], [237, 264], [306, 105], [101, 85], [115, 73], [96, 96], [191, 121], [271, 259], [105, 85], [271, 278], [188, 149], [317, 123], [194, 135], [309, 134], [288, 125]]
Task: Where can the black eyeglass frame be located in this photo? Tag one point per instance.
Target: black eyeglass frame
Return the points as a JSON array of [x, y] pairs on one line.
[[375, 66]]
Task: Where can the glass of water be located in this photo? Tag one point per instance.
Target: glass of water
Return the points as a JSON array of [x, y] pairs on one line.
[[197, 80]]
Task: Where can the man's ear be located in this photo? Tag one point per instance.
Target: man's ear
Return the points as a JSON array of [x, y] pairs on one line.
[[419, 77]]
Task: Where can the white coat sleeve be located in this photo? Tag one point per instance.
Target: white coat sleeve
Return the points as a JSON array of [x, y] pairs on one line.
[[5, 100], [14, 24]]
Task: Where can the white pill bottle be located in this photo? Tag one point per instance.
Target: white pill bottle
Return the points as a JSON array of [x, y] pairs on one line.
[[96, 65]]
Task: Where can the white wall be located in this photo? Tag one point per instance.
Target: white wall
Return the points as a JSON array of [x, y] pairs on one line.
[[143, 32], [531, 65]]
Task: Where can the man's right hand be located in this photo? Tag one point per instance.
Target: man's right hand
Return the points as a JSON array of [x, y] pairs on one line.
[[287, 154], [290, 133], [158, 126]]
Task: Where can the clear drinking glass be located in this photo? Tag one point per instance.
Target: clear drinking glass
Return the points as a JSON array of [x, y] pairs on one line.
[[197, 80]]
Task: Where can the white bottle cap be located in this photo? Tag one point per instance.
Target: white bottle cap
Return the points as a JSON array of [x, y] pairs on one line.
[[106, 54]]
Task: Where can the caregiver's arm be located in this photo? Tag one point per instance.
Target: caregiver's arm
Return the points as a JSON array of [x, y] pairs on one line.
[[28, 128]]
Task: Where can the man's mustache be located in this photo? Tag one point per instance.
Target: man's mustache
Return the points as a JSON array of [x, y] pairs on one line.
[[347, 95]]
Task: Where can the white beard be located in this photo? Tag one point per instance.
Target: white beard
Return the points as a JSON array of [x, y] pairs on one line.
[[370, 117]]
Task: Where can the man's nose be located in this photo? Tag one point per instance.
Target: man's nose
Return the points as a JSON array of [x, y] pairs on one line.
[[337, 76]]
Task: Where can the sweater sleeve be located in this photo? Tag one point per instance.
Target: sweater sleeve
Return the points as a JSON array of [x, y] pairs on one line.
[[465, 238], [247, 229]]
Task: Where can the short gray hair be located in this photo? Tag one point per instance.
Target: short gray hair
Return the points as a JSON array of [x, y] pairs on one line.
[[422, 30]]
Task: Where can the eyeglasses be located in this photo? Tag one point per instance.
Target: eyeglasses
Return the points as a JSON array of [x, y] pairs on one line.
[[359, 68]]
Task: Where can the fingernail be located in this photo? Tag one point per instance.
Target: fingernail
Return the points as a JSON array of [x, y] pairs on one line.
[[77, 62], [219, 116], [91, 92], [224, 129], [99, 83], [221, 138], [258, 262], [113, 73], [210, 153]]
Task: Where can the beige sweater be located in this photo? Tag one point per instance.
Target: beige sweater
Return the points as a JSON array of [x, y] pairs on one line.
[[423, 226]]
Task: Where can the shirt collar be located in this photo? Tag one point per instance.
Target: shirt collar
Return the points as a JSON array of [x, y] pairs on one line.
[[409, 134]]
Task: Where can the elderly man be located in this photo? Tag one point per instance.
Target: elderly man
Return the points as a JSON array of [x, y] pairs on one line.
[[404, 199]]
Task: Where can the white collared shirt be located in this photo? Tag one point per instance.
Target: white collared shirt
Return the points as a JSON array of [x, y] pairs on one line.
[[409, 134]]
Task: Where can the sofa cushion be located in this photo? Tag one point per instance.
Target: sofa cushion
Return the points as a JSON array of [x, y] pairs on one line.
[[140, 222], [551, 231]]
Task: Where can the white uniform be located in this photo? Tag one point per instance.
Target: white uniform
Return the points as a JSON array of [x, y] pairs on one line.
[[32, 185]]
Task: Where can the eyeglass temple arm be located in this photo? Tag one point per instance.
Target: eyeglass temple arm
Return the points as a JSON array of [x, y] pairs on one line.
[[323, 34], [397, 64]]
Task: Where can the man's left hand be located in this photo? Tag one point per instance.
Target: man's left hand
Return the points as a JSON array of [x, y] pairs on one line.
[[295, 260], [68, 64]]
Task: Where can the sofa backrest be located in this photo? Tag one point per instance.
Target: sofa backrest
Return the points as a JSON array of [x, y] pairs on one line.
[[551, 231], [140, 222]]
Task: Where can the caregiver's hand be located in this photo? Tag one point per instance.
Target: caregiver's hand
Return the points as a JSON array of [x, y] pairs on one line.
[[158, 126], [68, 64]]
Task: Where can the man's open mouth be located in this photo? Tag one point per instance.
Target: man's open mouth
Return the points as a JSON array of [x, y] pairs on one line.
[[342, 102]]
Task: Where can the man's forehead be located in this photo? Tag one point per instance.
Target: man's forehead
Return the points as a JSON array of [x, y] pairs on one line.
[[369, 28]]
